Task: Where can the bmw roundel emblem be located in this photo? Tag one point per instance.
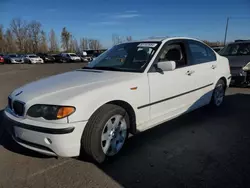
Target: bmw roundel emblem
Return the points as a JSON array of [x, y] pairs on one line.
[[19, 93]]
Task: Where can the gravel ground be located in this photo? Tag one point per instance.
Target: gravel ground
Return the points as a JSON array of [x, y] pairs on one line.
[[201, 149]]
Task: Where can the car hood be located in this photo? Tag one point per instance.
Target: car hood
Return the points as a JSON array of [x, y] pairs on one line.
[[69, 84], [238, 61]]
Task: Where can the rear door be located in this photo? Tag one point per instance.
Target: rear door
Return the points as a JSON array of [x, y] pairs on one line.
[[204, 63]]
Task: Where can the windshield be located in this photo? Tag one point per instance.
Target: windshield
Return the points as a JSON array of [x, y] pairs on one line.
[[131, 57], [236, 49], [72, 55], [33, 56], [13, 55]]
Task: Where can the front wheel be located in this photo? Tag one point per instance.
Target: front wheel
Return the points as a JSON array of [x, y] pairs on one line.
[[218, 94], [105, 133]]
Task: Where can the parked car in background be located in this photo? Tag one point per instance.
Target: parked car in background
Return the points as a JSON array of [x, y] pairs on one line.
[[2, 59], [131, 88], [92, 54], [83, 56], [217, 48], [70, 57], [46, 57], [238, 54], [32, 59], [58, 58], [13, 58]]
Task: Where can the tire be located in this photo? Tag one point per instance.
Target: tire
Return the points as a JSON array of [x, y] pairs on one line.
[[99, 140], [218, 94]]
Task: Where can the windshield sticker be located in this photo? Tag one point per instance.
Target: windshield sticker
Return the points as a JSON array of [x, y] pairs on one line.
[[150, 45]]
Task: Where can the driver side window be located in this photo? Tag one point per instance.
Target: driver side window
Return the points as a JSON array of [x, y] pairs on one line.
[[174, 52]]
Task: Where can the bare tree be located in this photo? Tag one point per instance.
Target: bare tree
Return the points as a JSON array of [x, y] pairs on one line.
[[19, 30], [116, 39], [34, 33], [94, 44], [129, 38], [76, 46], [43, 47], [10, 46], [65, 39], [2, 40], [53, 41], [217, 43], [71, 44], [83, 44], [28, 44]]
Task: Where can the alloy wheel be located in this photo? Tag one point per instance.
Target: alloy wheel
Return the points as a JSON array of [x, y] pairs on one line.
[[114, 135], [219, 93]]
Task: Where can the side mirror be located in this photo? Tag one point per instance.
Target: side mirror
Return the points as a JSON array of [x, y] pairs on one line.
[[166, 65]]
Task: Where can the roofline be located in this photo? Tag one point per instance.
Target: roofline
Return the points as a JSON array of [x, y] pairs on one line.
[[163, 40]]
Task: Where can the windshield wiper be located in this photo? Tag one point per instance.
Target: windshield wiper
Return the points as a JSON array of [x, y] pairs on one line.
[[103, 68], [107, 68], [111, 69]]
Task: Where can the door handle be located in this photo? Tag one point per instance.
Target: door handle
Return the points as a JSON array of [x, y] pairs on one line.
[[213, 66], [189, 72]]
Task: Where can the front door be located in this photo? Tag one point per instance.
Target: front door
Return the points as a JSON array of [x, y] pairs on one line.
[[173, 92]]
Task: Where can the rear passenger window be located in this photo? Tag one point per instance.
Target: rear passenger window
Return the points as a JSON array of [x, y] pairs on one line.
[[200, 53]]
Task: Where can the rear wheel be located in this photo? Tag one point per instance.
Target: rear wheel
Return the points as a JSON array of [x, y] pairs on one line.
[[105, 133], [218, 94]]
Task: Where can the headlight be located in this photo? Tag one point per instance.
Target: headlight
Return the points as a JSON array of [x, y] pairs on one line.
[[247, 67], [50, 112]]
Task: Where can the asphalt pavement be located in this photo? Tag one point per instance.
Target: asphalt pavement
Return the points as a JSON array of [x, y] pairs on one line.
[[205, 148]]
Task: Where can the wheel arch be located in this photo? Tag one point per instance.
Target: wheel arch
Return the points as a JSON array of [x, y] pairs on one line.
[[224, 80], [129, 109]]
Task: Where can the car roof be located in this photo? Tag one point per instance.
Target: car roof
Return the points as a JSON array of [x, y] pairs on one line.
[[165, 39], [240, 42]]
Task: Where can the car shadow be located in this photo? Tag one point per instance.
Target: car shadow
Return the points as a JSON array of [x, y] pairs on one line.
[[8, 143], [204, 148]]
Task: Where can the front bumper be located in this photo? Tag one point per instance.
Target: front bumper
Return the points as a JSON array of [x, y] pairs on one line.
[[37, 62], [238, 79], [49, 60], [75, 60], [51, 139], [17, 62]]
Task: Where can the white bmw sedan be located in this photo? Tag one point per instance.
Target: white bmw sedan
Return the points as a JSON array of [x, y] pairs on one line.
[[128, 89]]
